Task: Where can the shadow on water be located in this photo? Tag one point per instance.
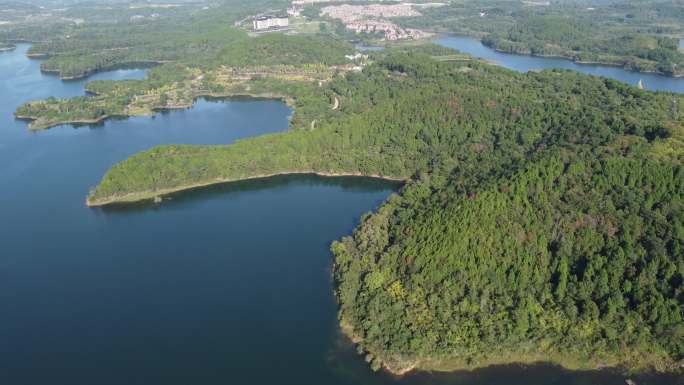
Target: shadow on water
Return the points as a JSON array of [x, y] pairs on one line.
[[228, 190]]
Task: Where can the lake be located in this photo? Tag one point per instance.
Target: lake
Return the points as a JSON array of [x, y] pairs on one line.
[[228, 284], [525, 63]]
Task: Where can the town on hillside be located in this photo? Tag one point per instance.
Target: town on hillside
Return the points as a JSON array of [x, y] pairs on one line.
[[376, 19]]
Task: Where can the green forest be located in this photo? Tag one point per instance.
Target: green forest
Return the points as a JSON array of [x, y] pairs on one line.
[[573, 259], [118, 35], [206, 46], [541, 218]]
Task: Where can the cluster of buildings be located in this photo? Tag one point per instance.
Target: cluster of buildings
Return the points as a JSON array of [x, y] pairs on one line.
[[359, 18], [265, 23], [373, 19], [309, 2], [348, 12], [390, 31]]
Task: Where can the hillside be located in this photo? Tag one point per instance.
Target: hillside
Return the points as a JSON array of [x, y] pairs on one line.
[[541, 218]]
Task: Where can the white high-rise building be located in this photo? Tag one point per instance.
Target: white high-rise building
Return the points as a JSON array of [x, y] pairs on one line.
[[270, 22]]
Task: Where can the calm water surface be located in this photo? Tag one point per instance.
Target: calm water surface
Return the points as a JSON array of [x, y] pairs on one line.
[[524, 63], [224, 285]]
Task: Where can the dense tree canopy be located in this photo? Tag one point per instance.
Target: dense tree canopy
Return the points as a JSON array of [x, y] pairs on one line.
[[116, 35], [573, 257]]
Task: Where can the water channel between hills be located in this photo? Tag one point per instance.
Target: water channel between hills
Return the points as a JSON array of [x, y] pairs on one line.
[[525, 63]]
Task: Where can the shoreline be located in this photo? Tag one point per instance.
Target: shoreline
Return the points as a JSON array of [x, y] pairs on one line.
[[562, 360], [39, 127], [456, 364], [37, 56], [148, 195]]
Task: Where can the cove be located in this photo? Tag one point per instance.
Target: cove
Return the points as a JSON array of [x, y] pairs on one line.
[[205, 289], [228, 284], [523, 63]]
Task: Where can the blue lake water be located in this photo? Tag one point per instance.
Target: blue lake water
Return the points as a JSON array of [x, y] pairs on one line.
[[205, 289], [223, 285], [525, 63]]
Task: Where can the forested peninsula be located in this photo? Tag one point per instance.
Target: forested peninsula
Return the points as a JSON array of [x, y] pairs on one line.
[[541, 220]]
